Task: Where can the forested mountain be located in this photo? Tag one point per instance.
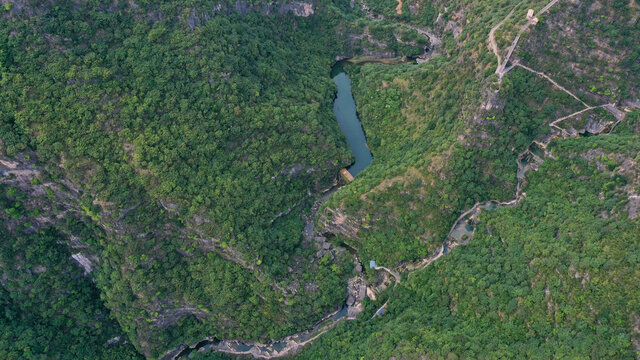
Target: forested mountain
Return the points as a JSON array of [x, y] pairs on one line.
[[169, 179]]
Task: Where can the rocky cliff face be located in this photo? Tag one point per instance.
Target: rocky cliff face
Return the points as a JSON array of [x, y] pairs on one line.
[[297, 8], [45, 203], [337, 223]]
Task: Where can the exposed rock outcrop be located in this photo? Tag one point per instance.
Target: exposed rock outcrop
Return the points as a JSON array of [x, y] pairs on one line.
[[86, 262], [336, 222], [595, 126], [298, 8]]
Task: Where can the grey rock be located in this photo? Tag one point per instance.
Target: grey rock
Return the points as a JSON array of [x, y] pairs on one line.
[[362, 292], [298, 8], [358, 267], [84, 261], [350, 300], [595, 126]]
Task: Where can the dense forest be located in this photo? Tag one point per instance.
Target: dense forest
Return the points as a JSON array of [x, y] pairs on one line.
[[44, 295], [190, 145], [553, 278], [169, 173]]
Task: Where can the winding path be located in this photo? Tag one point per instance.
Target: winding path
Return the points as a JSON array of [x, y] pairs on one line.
[[395, 274], [492, 38], [524, 28], [517, 63], [294, 342], [501, 69]]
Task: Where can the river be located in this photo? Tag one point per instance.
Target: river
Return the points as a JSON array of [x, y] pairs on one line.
[[461, 232], [344, 107]]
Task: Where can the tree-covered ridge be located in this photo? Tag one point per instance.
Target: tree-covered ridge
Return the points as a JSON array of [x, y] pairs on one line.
[[162, 288], [383, 212], [191, 138], [592, 46], [163, 105], [437, 150], [50, 307], [554, 277], [196, 149]]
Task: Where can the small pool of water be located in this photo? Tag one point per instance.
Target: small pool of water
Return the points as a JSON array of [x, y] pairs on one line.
[[342, 313], [489, 206]]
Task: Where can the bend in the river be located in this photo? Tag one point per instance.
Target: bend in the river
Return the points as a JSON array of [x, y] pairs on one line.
[[344, 108], [461, 233]]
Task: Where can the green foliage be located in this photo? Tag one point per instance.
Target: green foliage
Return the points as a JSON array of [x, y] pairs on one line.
[[227, 119], [212, 119], [604, 45], [409, 122], [555, 277], [194, 140], [49, 308]]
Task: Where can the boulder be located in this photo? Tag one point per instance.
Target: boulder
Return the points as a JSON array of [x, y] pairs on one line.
[[350, 300]]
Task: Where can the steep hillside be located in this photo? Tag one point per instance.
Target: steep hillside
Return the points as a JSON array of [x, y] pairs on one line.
[[196, 146], [169, 179], [455, 132], [552, 278]]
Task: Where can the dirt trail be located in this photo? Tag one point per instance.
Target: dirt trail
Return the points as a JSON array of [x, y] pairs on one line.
[[399, 8], [492, 38], [501, 69], [296, 341], [391, 272], [551, 81], [555, 123], [525, 27], [605, 106]]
